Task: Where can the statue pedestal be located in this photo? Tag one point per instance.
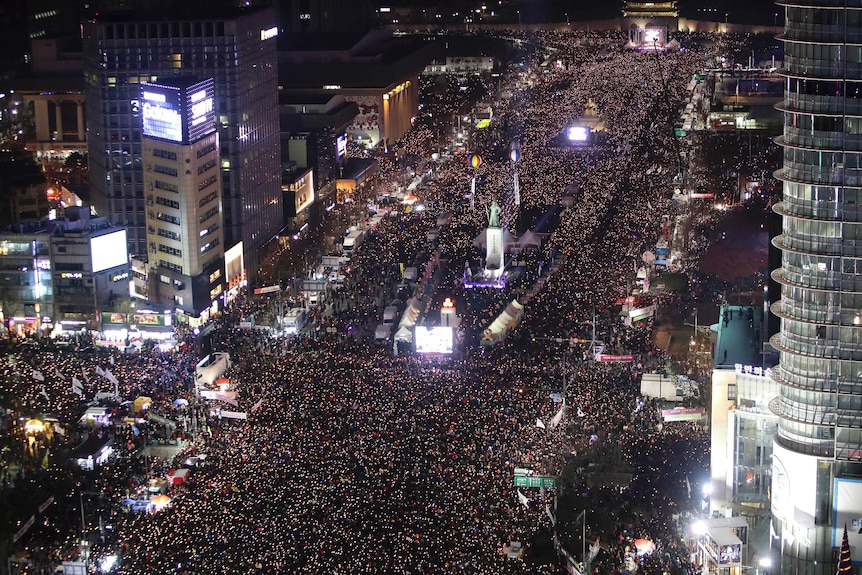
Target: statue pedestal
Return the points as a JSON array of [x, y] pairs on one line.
[[494, 252]]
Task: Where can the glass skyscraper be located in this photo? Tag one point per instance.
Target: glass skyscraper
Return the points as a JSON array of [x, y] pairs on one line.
[[239, 53], [818, 447]]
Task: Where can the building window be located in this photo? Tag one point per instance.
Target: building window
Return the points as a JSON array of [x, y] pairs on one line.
[[169, 250], [731, 392], [207, 183], [166, 202], [207, 199], [206, 150], [166, 154], [160, 185], [209, 246], [163, 217], [207, 231], [168, 265], [168, 171], [209, 213], [206, 166], [169, 234]]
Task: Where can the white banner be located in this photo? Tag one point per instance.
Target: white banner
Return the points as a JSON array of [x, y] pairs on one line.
[[225, 396], [37, 375], [257, 405], [234, 414], [20, 533]]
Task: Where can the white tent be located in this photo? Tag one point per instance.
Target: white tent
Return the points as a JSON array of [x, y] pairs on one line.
[[408, 320], [530, 240], [506, 321]]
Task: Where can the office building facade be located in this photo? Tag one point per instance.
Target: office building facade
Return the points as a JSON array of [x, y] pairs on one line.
[[59, 275], [180, 156], [239, 53], [818, 447]]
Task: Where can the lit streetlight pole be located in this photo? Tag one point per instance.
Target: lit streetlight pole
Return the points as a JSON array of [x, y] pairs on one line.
[[519, 17]]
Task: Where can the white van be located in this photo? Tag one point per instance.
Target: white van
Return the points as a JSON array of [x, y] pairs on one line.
[[390, 314], [294, 320], [410, 274], [383, 332]]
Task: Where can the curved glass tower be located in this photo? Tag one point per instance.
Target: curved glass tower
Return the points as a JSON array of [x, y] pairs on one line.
[[820, 343]]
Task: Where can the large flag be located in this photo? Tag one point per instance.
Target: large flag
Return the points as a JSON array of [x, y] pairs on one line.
[[37, 375], [111, 359], [557, 418], [44, 393], [539, 423], [594, 549], [525, 501], [110, 377], [100, 371], [58, 374]]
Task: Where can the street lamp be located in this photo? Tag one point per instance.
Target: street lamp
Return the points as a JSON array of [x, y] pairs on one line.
[[775, 21], [567, 18], [519, 17]]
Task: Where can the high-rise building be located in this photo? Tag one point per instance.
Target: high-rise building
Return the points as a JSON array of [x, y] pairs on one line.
[[817, 453], [182, 187], [238, 51]]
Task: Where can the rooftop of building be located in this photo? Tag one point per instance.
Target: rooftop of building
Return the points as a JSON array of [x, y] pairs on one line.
[[355, 168], [377, 60], [170, 10], [740, 337], [77, 221]]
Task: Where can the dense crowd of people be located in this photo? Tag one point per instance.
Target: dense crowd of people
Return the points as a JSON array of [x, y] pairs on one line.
[[355, 461]]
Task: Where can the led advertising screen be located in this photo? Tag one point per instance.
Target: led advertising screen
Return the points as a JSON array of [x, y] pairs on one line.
[[161, 112], [109, 251], [793, 494], [847, 510], [577, 133], [433, 339], [200, 110]]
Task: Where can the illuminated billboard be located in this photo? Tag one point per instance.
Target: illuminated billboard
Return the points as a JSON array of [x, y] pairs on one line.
[[793, 494], [847, 510], [161, 112], [181, 111], [577, 133], [433, 339], [109, 251], [200, 110]]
